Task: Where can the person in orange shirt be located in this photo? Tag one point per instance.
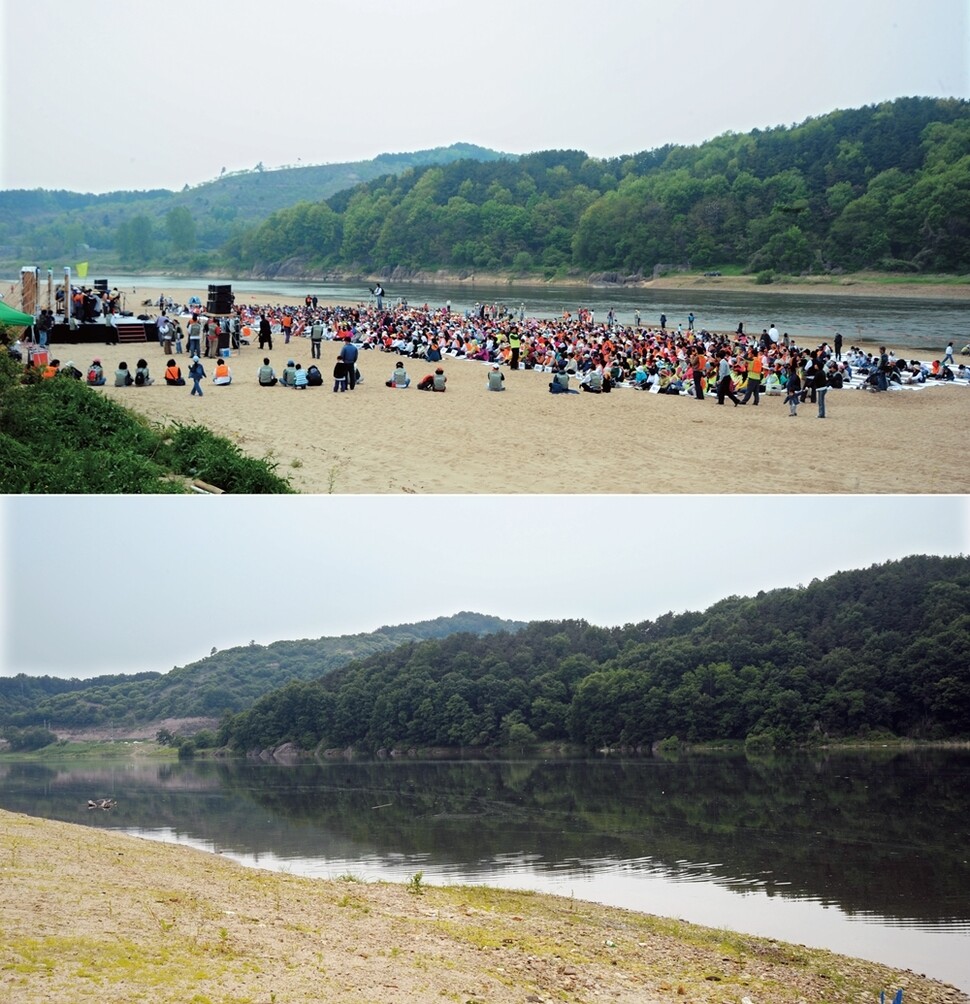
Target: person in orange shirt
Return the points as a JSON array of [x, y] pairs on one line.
[[173, 375], [698, 365], [755, 369], [222, 376]]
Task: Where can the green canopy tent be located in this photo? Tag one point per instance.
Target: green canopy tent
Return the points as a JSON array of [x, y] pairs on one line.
[[15, 318]]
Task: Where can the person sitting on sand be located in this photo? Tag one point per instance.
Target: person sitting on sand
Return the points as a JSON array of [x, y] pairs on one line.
[[266, 375], [142, 376], [496, 379], [592, 382], [399, 378], [222, 376], [314, 377], [288, 376], [560, 382], [173, 375], [299, 377], [96, 376], [123, 377]]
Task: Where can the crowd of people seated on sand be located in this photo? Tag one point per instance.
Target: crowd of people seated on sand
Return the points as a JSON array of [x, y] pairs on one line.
[[575, 348], [597, 355]]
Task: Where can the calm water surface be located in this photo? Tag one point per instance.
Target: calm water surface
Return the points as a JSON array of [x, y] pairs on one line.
[[865, 854], [926, 325]]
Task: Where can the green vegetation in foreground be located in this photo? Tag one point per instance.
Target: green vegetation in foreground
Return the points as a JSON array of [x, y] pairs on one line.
[[59, 436]]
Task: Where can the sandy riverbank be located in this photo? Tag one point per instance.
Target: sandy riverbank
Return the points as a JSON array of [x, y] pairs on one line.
[[468, 440], [89, 915], [525, 440]]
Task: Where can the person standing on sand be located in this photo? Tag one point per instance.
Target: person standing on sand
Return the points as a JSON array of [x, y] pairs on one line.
[[515, 344], [316, 338], [265, 333], [348, 353], [838, 347], [882, 370], [948, 355], [698, 364], [822, 386], [195, 336]]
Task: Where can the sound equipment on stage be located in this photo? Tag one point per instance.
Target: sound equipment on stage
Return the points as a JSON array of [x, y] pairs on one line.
[[220, 299], [101, 285]]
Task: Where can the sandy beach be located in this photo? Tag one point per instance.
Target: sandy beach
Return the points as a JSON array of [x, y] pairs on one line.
[[91, 915], [467, 440]]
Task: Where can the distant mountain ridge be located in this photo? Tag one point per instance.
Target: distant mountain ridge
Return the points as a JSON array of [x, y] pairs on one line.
[[65, 224], [227, 680]]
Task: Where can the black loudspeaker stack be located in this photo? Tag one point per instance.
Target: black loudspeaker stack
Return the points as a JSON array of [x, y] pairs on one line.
[[101, 285], [220, 300]]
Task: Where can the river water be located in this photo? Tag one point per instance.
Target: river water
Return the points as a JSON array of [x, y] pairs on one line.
[[864, 853], [921, 324]]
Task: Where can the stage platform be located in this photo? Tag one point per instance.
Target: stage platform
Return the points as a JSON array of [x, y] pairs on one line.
[[126, 329]]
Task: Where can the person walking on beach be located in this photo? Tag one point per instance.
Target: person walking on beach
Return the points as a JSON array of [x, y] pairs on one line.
[[724, 387], [948, 355], [794, 389], [197, 373], [753, 385]]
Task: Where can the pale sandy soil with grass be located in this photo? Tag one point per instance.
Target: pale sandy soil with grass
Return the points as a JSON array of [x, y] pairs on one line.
[[87, 915]]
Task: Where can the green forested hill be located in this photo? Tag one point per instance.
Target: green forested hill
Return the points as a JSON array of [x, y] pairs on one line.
[[160, 227], [881, 649], [224, 681], [885, 187], [882, 187]]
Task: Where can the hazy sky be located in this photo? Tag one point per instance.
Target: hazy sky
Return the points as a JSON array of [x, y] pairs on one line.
[[99, 584], [116, 94]]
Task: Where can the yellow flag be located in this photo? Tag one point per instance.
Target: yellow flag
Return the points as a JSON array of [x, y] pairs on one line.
[[82, 269]]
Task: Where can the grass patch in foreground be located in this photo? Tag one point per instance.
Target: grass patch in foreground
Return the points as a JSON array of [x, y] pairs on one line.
[[59, 436]]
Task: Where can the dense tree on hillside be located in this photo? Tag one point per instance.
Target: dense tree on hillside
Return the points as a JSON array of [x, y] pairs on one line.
[[885, 648], [886, 186], [51, 224], [226, 681]]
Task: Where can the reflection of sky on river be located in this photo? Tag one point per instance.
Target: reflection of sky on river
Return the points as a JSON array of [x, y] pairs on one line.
[[809, 318], [692, 891]]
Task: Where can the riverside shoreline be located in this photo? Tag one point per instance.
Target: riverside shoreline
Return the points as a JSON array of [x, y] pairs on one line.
[[468, 441], [93, 915]]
